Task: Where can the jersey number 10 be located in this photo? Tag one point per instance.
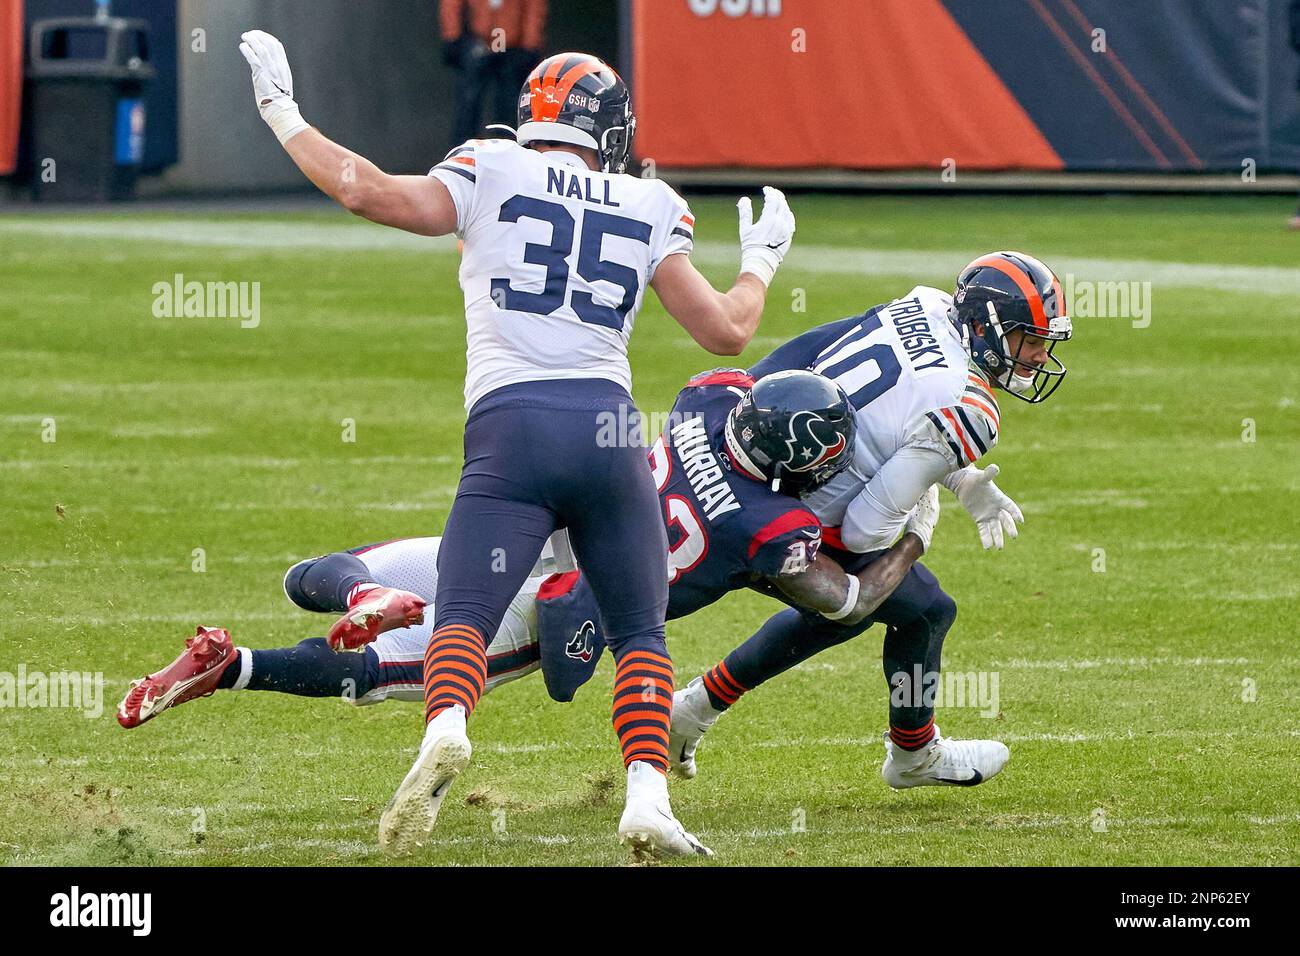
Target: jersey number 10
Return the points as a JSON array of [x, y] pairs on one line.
[[554, 257]]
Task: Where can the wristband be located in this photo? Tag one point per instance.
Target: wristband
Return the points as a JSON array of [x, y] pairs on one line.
[[757, 262], [286, 122], [850, 602]]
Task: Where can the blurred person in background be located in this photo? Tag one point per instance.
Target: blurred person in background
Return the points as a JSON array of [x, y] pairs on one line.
[[1295, 45], [490, 43]]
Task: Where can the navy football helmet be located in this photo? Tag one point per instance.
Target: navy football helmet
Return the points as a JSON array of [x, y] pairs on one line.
[[793, 427], [1004, 292], [577, 98]]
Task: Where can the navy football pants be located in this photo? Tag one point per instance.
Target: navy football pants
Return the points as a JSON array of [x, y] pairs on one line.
[[534, 462], [917, 617]]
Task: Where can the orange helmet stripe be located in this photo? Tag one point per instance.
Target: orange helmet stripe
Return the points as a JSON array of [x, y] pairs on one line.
[[547, 110], [574, 74], [1022, 282]]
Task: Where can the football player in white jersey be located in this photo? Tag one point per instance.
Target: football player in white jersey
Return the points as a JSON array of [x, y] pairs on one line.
[[559, 246], [921, 372]]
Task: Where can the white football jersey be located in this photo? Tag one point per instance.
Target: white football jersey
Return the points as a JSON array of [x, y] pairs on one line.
[[556, 261], [912, 382]]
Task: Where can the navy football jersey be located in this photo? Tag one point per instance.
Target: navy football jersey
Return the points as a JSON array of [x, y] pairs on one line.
[[725, 530]]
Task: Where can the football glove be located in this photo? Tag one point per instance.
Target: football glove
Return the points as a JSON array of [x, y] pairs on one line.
[[272, 84], [924, 517], [995, 514], [763, 244]]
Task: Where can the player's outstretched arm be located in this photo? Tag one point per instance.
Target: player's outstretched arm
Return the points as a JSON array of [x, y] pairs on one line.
[[418, 204], [724, 322]]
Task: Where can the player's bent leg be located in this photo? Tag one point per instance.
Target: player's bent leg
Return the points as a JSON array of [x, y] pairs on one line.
[[786, 639], [621, 550], [916, 754], [496, 529], [324, 584], [342, 582]]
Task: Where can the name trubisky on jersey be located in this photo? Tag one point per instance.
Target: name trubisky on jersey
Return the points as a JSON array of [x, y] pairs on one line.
[[913, 328]]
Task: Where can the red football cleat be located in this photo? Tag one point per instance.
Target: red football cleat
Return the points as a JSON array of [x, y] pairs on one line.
[[194, 674], [372, 613]]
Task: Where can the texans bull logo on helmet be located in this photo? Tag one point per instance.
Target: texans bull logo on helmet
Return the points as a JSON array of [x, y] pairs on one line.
[[813, 441]]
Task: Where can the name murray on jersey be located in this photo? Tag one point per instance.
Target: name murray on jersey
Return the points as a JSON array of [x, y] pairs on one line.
[[913, 327], [703, 471]]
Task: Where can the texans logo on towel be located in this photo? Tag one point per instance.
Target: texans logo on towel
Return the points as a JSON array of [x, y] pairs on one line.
[[580, 646]]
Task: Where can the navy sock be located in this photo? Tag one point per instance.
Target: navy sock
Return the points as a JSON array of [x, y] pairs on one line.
[[322, 584], [912, 657], [309, 669]]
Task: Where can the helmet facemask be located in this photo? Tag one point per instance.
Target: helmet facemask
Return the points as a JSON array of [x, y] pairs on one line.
[[616, 146], [1026, 380]]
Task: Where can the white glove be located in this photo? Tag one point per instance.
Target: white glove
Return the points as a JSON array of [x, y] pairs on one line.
[[763, 244], [924, 517], [995, 514], [272, 84]]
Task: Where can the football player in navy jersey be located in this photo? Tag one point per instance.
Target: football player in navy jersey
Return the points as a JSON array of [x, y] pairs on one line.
[[730, 469]]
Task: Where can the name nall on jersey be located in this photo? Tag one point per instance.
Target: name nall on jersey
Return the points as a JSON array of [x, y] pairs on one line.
[[578, 186], [913, 328], [708, 480]]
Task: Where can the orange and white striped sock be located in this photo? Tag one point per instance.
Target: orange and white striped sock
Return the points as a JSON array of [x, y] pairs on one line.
[[643, 707], [455, 669]]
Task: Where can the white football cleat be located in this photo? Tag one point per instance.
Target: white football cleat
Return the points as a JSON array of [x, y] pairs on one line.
[[409, 818], [693, 715], [943, 763], [648, 826]]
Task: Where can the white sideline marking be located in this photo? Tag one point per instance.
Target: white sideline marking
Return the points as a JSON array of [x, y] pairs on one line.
[[263, 236], [288, 614], [234, 461], [147, 562], [268, 237]]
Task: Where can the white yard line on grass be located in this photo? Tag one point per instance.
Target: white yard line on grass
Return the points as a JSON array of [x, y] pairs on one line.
[[829, 259]]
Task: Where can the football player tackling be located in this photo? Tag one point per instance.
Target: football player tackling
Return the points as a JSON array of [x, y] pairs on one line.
[[559, 247], [920, 371]]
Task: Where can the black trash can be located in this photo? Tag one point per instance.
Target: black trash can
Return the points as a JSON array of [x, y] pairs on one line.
[[87, 75]]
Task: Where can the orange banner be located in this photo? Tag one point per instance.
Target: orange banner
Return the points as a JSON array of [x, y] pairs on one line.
[[884, 84], [11, 81]]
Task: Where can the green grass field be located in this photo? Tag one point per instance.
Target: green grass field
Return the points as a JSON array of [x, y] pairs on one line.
[[1151, 708]]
